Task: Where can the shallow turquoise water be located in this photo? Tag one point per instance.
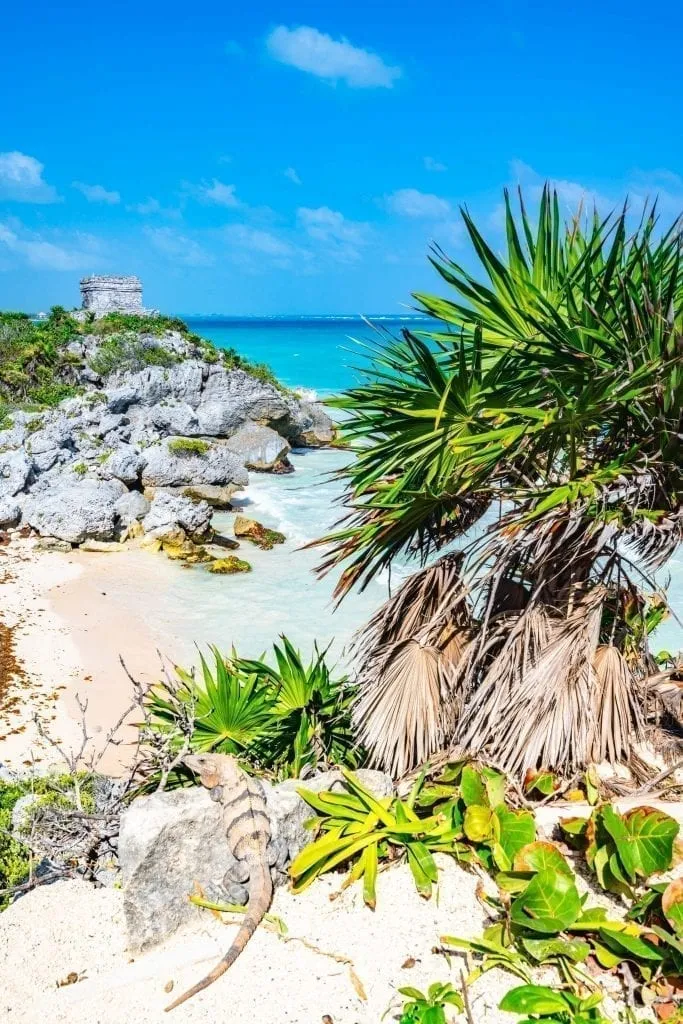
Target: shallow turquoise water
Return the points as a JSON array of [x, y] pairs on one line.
[[309, 352]]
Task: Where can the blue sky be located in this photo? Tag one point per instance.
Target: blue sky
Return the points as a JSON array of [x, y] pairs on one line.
[[293, 158]]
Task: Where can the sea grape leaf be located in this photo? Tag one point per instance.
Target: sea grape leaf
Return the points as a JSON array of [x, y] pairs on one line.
[[549, 904], [574, 831], [540, 856], [452, 772], [541, 949], [672, 905], [478, 823], [544, 783], [644, 837], [626, 939], [517, 829], [472, 788], [533, 999], [495, 784], [592, 781]]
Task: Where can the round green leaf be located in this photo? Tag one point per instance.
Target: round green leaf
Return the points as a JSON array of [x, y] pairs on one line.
[[533, 999], [549, 904]]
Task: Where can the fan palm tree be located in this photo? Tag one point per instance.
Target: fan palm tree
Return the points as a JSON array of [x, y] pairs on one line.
[[531, 439]]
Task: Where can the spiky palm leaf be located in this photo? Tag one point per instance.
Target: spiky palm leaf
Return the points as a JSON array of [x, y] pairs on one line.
[[544, 407]]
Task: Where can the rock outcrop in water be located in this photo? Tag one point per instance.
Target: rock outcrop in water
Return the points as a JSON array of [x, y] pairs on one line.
[[147, 448]]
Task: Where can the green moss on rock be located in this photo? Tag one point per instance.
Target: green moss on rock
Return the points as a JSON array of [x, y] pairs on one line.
[[229, 566]]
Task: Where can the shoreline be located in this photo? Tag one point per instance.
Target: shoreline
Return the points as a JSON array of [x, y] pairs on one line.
[[66, 640]]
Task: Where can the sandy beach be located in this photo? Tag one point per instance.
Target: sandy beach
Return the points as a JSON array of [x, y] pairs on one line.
[[67, 636]]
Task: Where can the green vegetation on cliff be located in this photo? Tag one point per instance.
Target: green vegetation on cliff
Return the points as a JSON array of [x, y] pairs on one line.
[[37, 369]]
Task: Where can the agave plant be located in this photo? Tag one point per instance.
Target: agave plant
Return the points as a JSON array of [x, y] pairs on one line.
[[536, 426]]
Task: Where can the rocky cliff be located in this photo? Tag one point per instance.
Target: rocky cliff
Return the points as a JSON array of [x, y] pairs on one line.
[[160, 428]]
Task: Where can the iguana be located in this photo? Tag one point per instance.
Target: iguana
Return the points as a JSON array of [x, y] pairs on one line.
[[248, 833]]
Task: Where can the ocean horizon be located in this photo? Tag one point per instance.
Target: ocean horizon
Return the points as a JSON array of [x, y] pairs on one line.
[[321, 352]]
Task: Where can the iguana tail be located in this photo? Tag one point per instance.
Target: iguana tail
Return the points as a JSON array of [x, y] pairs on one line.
[[259, 901]]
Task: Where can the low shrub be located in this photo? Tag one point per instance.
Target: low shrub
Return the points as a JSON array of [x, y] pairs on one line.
[[129, 352], [188, 446], [50, 792]]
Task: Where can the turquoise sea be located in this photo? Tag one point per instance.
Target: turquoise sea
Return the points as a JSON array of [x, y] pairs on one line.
[[283, 594], [310, 352]]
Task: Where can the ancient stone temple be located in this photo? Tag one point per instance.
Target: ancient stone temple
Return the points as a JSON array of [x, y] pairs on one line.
[[102, 294]]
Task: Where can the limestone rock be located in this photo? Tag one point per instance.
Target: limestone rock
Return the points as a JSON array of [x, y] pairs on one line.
[[167, 842], [75, 510], [125, 463], [175, 418], [232, 397], [310, 426], [259, 448], [168, 464], [257, 533], [15, 471], [130, 507], [212, 494], [103, 546], [10, 512], [169, 511], [54, 544]]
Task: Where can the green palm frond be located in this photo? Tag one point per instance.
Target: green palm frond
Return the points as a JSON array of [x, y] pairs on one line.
[[536, 422]]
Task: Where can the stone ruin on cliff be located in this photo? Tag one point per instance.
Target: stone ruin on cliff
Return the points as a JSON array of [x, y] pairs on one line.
[[102, 294]]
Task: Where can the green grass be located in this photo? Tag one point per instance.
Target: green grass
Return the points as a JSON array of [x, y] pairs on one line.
[[188, 446]]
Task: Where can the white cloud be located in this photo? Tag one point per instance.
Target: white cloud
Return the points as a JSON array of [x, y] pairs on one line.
[[309, 50], [37, 251], [342, 238], [218, 193], [258, 241], [434, 165], [97, 193], [257, 250], [292, 175], [150, 205], [409, 202], [21, 180], [178, 248]]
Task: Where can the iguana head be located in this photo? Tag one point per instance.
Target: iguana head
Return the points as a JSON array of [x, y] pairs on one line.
[[212, 769]]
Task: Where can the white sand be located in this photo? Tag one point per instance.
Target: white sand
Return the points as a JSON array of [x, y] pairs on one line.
[[70, 927], [68, 636]]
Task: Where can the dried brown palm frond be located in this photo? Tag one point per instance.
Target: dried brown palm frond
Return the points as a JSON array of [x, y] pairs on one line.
[[521, 641], [429, 596], [400, 718], [410, 657], [616, 718], [548, 718]]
